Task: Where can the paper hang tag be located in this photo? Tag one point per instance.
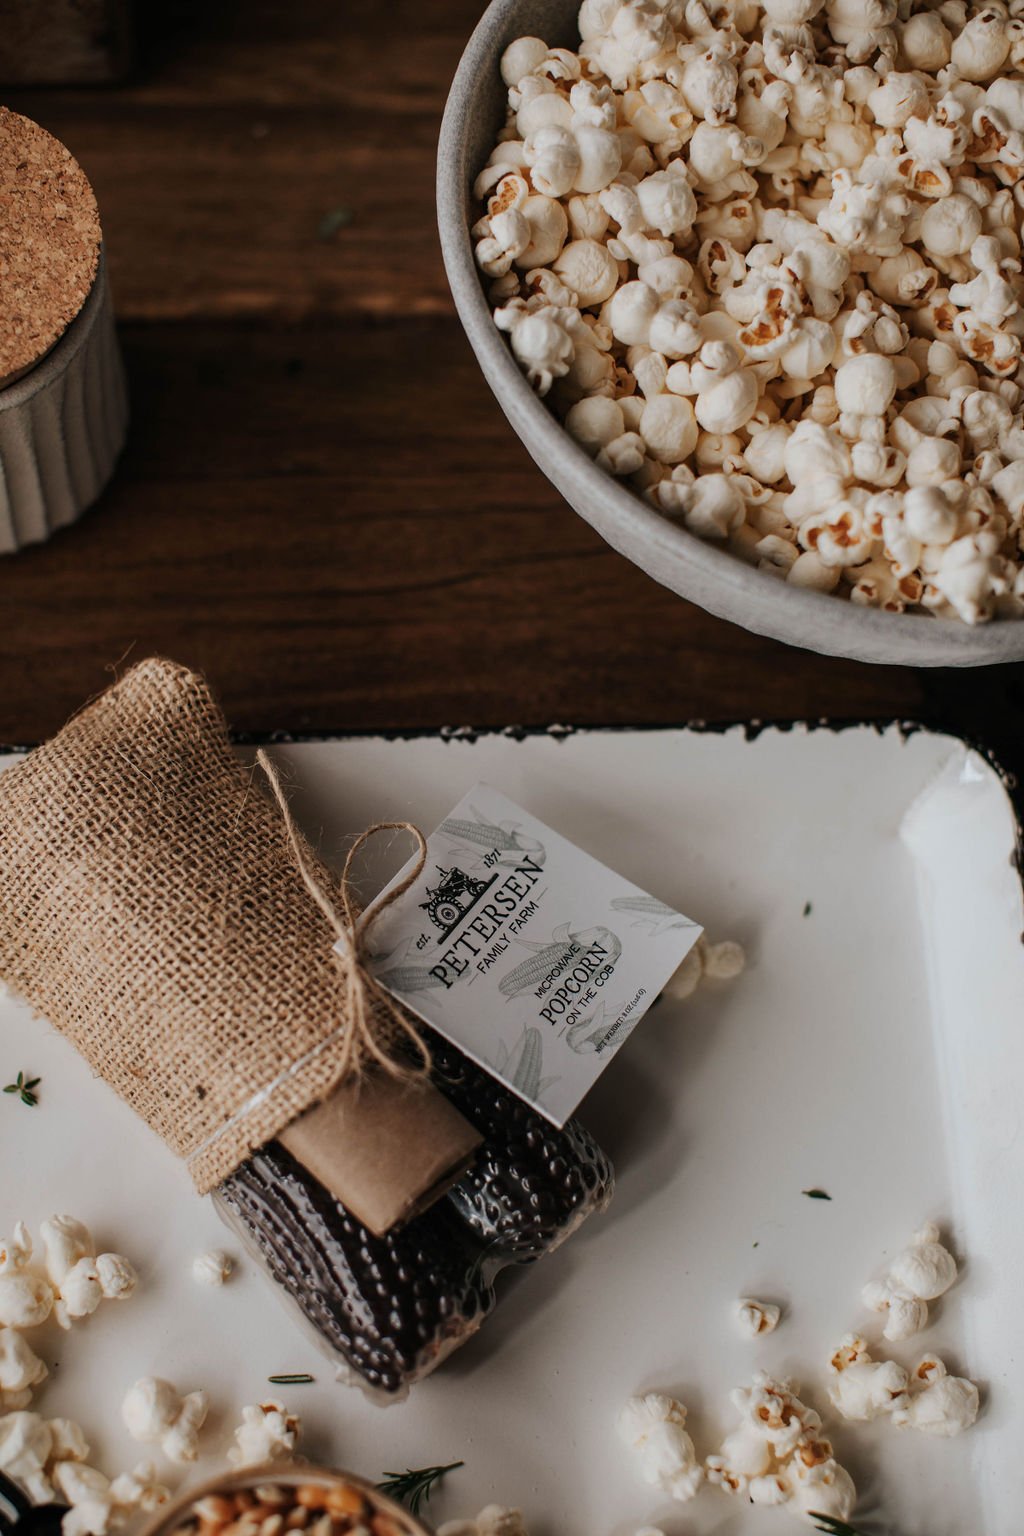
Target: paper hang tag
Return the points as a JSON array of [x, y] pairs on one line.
[[526, 953]]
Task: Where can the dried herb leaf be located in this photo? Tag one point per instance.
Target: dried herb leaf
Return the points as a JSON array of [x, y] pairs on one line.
[[816, 1194], [291, 1379]]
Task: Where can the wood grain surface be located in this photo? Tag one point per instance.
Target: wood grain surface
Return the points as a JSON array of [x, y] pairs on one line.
[[64, 42], [321, 503]]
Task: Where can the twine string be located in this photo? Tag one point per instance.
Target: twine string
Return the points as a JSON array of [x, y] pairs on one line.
[[369, 1013]]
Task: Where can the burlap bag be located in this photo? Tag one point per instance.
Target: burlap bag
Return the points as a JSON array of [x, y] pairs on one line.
[[152, 909]]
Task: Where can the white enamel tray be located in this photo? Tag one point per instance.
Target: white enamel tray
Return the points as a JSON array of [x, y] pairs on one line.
[[873, 1048]]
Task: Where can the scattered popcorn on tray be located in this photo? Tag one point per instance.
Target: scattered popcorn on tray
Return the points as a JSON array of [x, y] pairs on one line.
[[32, 1447], [705, 962], [155, 1414], [654, 1427], [26, 1299], [765, 262], [754, 1318], [819, 1485], [20, 1370], [213, 1268], [904, 1315], [268, 1432], [926, 1268], [920, 1274], [81, 1279], [16, 1251], [862, 1388], [495, 1520], [776, 1455], [939, 1404], [98, 1504]]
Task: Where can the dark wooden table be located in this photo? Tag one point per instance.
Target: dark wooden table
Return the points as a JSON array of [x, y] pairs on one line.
[[321, 504]]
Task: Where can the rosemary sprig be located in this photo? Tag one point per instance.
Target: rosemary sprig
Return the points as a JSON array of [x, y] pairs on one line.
[[833, 1527], [24, 1087], [291, 1379], [415, 1485]]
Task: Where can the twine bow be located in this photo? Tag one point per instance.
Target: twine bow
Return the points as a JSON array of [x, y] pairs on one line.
[[368, 1009]]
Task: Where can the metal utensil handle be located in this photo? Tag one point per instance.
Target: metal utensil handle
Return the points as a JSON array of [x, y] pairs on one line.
[[14, 1506], [19, 1515]]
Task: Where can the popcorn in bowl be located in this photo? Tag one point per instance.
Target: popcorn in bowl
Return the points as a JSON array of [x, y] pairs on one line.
[[764, 263]]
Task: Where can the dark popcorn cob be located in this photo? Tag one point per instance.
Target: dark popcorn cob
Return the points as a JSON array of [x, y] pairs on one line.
[[391, 1306], [531, 1184]]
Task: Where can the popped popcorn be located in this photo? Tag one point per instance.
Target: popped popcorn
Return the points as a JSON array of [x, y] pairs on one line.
[[862, 1388], [20, 1370], [777, 1456], [921, 1273], [80, 1278], [754, 1318], [48, 1457], [737, 223], [16, 1251], [942, 1405], [268, 1432], [98, 1504], [25, 1300], [155, 1414], [713, 962], [31, 1447], [494, 1520], [654, 1426], [213, 1268]]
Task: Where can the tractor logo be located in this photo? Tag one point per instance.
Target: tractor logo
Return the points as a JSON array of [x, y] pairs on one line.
[[449, 901]]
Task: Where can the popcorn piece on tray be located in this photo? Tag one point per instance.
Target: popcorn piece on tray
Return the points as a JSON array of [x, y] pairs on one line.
[[706, 962], [921, 1273], [939, 1404], [495, 1520], [754, 1318], [777, 1456], [268, 1432], [31, 1448], [20, 1370], [81, 1279], [98, 1504], [654, 1426], [862, 1388], [213, 1268], [731, 224], [26, 1300], [155, 1414]]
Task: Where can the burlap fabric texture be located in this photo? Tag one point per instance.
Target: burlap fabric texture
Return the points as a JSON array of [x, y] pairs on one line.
[[151, 908]]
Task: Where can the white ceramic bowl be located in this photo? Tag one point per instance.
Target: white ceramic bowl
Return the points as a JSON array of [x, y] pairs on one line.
[[712, 577]]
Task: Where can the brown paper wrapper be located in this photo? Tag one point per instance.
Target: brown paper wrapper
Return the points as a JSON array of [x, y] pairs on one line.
[[151, 908], [359, 1139]]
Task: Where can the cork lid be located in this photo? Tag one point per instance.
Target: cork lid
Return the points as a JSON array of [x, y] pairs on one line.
[[49, 242]]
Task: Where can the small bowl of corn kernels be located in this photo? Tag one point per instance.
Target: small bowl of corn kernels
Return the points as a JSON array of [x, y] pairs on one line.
[[745, 277], [279, 1500]]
